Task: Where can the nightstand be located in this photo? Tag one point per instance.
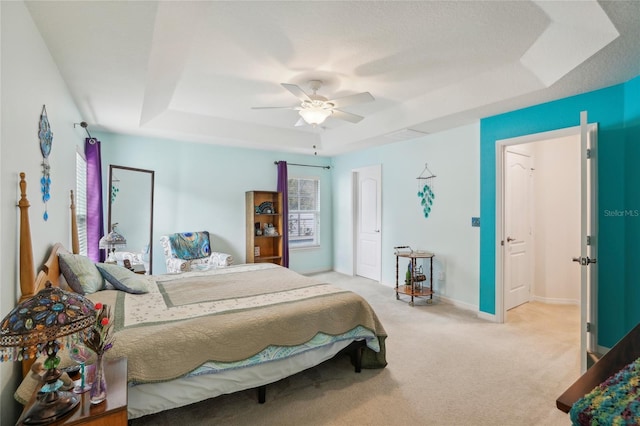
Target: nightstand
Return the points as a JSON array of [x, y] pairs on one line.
[[112, 412]]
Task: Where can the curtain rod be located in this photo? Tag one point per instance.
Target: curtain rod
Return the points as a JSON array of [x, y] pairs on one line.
[[303, 165], [84, 125]]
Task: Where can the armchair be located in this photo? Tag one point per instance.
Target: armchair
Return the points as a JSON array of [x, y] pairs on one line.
[[186, 251]]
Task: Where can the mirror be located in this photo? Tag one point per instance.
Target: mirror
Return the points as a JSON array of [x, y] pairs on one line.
[[131, 209]]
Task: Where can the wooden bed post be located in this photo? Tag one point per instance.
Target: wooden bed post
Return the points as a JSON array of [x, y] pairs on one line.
[[75, 243], [30, 284], [27, 274]]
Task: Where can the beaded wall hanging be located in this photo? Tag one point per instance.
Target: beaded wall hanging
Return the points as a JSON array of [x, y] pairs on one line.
[[46, 139], [426, 195], [115, 182]]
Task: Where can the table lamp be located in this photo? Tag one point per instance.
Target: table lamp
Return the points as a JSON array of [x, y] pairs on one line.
[[36, 325], [111, 242]]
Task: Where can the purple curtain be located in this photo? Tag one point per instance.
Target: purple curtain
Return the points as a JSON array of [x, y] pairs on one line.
[[95, 219], [283, 188]]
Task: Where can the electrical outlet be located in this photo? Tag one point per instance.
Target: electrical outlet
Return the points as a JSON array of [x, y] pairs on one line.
[[475, 221]]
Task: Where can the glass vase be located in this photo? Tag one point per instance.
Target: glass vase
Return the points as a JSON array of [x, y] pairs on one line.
[[98, 391]]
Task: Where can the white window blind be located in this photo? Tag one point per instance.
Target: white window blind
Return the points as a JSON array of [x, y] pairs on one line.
[[304, 212], [81, 201]]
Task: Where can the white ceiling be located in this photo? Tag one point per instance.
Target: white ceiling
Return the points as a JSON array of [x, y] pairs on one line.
[[193, 70]]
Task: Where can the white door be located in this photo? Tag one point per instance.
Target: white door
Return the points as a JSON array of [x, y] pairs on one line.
[[518, 263], [367, 221], [588, 238]]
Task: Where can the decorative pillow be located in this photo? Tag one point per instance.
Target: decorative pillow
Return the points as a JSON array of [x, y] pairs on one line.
[[190, 245], [80, 273], [123, 279]]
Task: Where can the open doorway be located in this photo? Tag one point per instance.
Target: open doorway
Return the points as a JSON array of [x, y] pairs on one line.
[[542, 204], [585, 219], [540, 211]]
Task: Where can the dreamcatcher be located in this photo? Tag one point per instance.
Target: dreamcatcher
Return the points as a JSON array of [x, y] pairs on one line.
[[426, 194]]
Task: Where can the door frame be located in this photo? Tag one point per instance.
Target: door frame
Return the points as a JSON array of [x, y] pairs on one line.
[[500, 312], [355, 193]]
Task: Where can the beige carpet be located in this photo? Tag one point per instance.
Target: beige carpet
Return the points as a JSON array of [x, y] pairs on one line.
[[446, 367]]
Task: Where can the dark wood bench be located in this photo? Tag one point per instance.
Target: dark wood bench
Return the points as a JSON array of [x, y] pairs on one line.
[[624, 352]]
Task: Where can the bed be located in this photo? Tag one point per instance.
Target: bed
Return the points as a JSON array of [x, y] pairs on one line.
[[201, 334]]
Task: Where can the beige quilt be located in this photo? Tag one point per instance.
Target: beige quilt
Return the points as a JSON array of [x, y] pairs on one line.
[[226, 315]]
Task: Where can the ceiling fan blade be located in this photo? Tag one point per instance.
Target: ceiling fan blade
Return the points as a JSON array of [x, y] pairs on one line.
[[300, 122], [296, 91], [352, 99], [346, 116], [287, 107]]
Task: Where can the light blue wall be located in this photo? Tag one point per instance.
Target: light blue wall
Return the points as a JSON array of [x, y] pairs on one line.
[[615, 109], [202, 187], [453, 156], [29, 79]]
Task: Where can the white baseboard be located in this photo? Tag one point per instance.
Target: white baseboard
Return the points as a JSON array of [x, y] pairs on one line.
[[314, 271], [456, 303], [487, 316], [348, 273], [555, 300], [467, 307]]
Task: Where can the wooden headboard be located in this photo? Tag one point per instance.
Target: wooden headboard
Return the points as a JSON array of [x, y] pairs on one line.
[[30, 283]]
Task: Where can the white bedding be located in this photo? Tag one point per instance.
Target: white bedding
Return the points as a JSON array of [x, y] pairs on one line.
[[150, 398]]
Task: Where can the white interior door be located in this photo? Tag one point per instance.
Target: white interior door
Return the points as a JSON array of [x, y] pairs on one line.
[[518, 271], [367, 222], [588, 239]]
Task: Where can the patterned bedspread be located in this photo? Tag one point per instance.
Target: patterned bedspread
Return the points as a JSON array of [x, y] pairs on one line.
[[616, 401], [228, 315]]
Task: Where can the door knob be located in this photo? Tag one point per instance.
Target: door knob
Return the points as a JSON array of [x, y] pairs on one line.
[[584, 261], [509, 239]]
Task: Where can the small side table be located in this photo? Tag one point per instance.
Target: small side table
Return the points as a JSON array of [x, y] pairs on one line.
[[415, 288], [111, 412], [138, 268]]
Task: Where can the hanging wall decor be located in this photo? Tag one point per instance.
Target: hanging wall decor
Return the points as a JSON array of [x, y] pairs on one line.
[[426, 194], [46, 139], [115, 182]]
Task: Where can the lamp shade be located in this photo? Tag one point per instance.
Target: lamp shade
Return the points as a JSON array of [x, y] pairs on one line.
[[112, 240], [50, 314], [35, 325], [315, 115]]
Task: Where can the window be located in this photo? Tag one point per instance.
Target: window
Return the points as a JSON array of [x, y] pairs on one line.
[[81, 201], [304, 212]]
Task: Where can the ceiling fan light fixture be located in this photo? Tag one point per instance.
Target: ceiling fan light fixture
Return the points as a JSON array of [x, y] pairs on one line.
[[315, 115]]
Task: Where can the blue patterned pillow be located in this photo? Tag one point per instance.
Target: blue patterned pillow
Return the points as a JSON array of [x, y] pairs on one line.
[[123, 279], [190, 245]]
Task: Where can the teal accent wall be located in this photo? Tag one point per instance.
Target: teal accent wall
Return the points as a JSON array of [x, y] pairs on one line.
[[631, 295], [616, 109]]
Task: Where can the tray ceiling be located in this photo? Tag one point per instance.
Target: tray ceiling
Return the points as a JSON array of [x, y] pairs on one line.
[[192, 71]]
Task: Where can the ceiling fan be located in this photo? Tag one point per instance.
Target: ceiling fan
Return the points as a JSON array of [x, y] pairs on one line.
[[314, 109]]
